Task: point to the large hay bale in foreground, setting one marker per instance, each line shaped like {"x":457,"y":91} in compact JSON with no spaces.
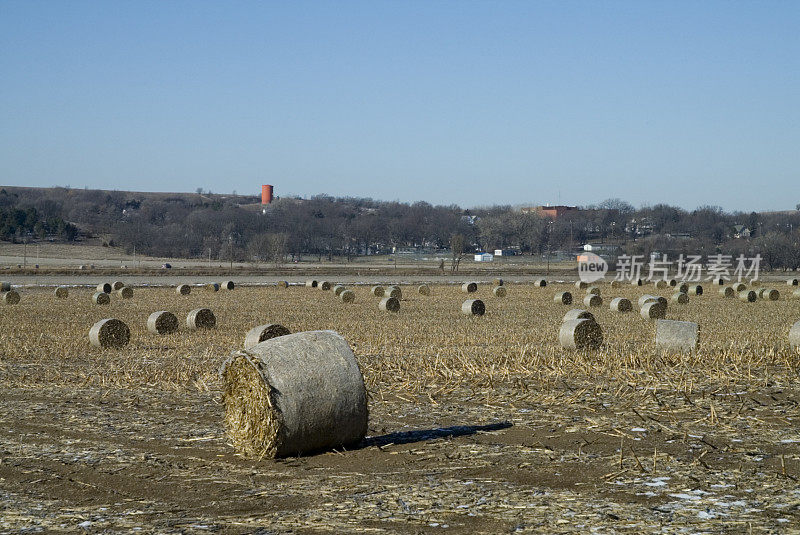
{"x":676,"y":336}
{"x":62,"y":292}
{"x":294,"y":394}
{"x":580,"y":334}
{"x":212,"y":287}
{"x":377,"y":291}
{"x":201,"y":318}
{"x":680,"y":298}
{"x":620,"y":304}
{"x":695,"y":290}
{"x":116,"y":285}
{"x":183,"y":289}
{"x":565,"y":298}
{"x":577,"y":314}
{"x":653,"y":310}
{"x":104,"y":287}
{"x":5,"y":286}
{"x":499,"y":291}
{"x":324,"y":285}
{"x":228,"y":285}
{"x":581,"y":285}
{"x":727,"y":291}
{"x":126,"y":292}
{"x":393,"y":291}
{"x":474,"y":307}
{"x":109,"y":332}
{"x":11,"y":297}
{"x":347,"y":296}
{"x":593,"y":300}
{"x":469,"y":287}
{"x":540,"y":283}
{"x":794,"y":336}
{"x":424,"y":289}
{"x":389,"y":304}
{"x":162,"y":322}
{"x":748,"y":296}
{"x":101,"y":298}
{"x":259,"y":334}
{"x":338,"y":289}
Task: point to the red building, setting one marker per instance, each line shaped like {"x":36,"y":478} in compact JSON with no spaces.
{"x":553,"y":212}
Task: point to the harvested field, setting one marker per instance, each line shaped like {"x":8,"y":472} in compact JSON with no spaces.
{"x":477,"y":425}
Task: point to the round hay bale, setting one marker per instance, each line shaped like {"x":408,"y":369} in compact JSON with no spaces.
{"x":646,"y":298}
{"x":474,"y":307}
{"x":719,"y":281}
{"x":62,"y":292}
{"x":423,"y":289}
{"x":183,"y":289}
{"x":593,"y":300}
{"x":565,"y":298}
{"x":469,"y":287}
{"x":672,"y":282}
{"x":794,"y":336}
{"x":11,"y":297}
{"x":499,"y":291}
{"x":389,"y":304}
{"x":581,"y":285}
{"x":770,"y":294}
{"x":162,"y":322}
{"x":101,"y":298}
{"x":212,"y":287}
{"x":541,"y":283}
{"x":620,"y":304}
{"x":324,"y":285}
{"x":228,"y":285}
{"x":126,"y":292}
{"x":377,"y":291}
{"x":116,"y":285}
{"x":259,"y":334}
{"x":5,"y":286}
{"x":497,"y":282}
{"x":311,"y":284}
{"x":294,"y":394}
{"x":637,"y":282}
{"x":660,"y":284}
{"x":109,"y":332}
{"x":676,"y":336}
{"x":393,"y":291}
{"x":338,"y":289}
{"x":683,"y":287}
{"x":347,"y":296}
{"x":680,"y":298}
{"x":577,"y":314}
{"x":580,"y":334}
{"x":739,"y":287}
{"x":201,"y":318}
{"x":748,"y":296}
{"x":593,"y":290}
{"x":104,"y":287}
{"x":653,"y":310}
{"x":726,"y":291}
{"x":614,"y":284}
{"x":696,"y":290}
{"x":283,"y":284}
{"x":793,"y":282}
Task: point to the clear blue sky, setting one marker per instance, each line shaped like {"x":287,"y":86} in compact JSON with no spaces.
{"x":465,"y":102}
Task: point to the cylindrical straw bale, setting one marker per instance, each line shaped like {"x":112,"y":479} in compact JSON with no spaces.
{"x":311,"y":284}
{"x":101,"y":298}
{"x":377,"y":291}
{"x":620,"y":304}
{"x":696,"y":290}
{"x":338,"y":289}
{"x":62,"y":292}
{"x":126,"y":292}
{"x":593,"y":300}
{"x":294,"y":394}
{"x":794,"y":336}
{"x":499,"y":291}
{"x":748,"y":296}
{"x":593,"y":290}
{"x":473,"y":307}
{"x":577,"y":314}
{"x":162,"y":322}
{"x":770,"y":294}
{"x":201,"y":318}
{"x":347,"y":296}
{"x":683,"y":287}
{"x":109,"y":332}
{"x":581,"y":285}
{"x":212,"y":287}
{"x":393,"y":291}
{"x":637,"y":282}
{"x":424,"y":289}
{"x":646,"y":299}
{"x":727,"y":291}
{"x":183,"y":289}
{"x":228,"y":285}
{"x":540,"y":283}
{"x":580,"y":334}
{"x":5,"y":286}
{"x":256,"y":335}
{"x":11,"y":297}
{"x":283,"y":284}
{"x":469,"y":287}
{"x":324,"y":285}
{"x":389,"y":304}
{"x":104,"y":287}
{"x":672,"y":282}
{"x":680,"y":298}
{"x":660,"y":284}
{"x":653,"y":310}
{"x":792,"y":282}
{"x":676,"y":336}
{"x":614,"y":283}
{"x":719,"y":281}
{"x":739,"y":287}
{"x":497,"y":282}
{"x":565,"y":298}
{"x":116,"y":285}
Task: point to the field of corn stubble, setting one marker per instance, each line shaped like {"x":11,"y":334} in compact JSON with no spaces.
{"x":477,"y":424}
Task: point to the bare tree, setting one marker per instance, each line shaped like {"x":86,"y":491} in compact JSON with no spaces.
{"x":457,"y":248}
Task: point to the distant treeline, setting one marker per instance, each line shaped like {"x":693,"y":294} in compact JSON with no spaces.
{"x":235,"y":227}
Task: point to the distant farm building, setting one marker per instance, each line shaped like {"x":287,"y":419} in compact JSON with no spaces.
{"x":552,"y":212}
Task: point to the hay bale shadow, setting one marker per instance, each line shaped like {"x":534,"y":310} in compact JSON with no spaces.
{"x":423,"y":435}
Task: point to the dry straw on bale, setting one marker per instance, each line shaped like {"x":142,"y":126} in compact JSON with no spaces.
{"x":338,"y":289}
{"x":683,"y":287}
{"x":11,"y":297}
{"x":377,"y":291}
{"x":541,"y":283}
{"x":577,"y":314}
{"x":212,"y":287}
{"x":259,"y":334}
{"x":660,"y":284}
{"x":676,"y":336}
{"x":109,"y":332}
{"x":183,"y":289}
{"x":727,"y":291}
{"x":324,"y":285}
{"x":393,"y":291}
{"x":162,"y":322}
{"x":593,"y":290}
{"x":473,"y":307}
{"x":792,"y":282}
{"x":104,"y":287}
{"x":228,"y":285}
{"x":101,"y":298}
{"x":769,"y":294}
{"x":389,"y":304}
{"x":748,"y":296}
{"x":469,"y":287}
{"x":294,"y":394}
{"x":497,"y":282}
{"x":593,"y":300}
{"x":739,"y":287}
{"x":580,"y":334}
{"x":565,"y":298}
{"x":126,"y":292}
{"x":581,"y":285}
{"x":5,"y":286}
{"x":347,"y":296}
{"x":794,"y":336}
{"x":62,"y":292}
{"x":283,"y":284}
{"x":116,"y":285}
{"x":201,"y":318}
{"x":620,"y":304}
{"x":424,"y":289}
{"x":499,"y":291}
{"x":653,"y":310}
{"x":680,"y":298}
{"x":696,"y":290}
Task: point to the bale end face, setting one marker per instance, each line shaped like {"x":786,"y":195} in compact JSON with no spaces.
{"x":474,"y":307}
{"x":228,"y":285}
{"x":499,"y":291}
{"x":389,"y":304}
{"x":727,"y":291}
{"x":793,"y":282}
{"x":683,"y":288}
{"x":593,"y":300}
{"x":347,"y":296}
{"x":183,"y":289}
{"x":104,"y":287}
{"x":541,"y":283}
{"x":577,"y":314}
{"x":696,"y":290}
{"x":565,"y":298}
{"x":5,"y":286}
{"x":201,"y":318}
{"x":10,"y":297}
{"x":212,"y":287}
{"x":748,"y":296}
{"x":580,"y":334}
{"x":660,"y":284}
{"x":262,"y":333}
{"x":337,"y":289}
{"x":424,"y":289}
{"x":109,"y":333}
{"x":324,"y":285}
{"x":162,"y":322}
{"x":62,"y":292}
{"x":620,"y":304}
{"x":653,"y":310}
{"x":581,"y":285}
{"x":593,"y":290}
{"x":393,"y":291}
{"x":680,"y":298}
{"x":469,"y":287}
{"x":101,"y":298}
{"x":116,"y":285}
{"x":377,"y":291}
{"x":126,"y":292}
